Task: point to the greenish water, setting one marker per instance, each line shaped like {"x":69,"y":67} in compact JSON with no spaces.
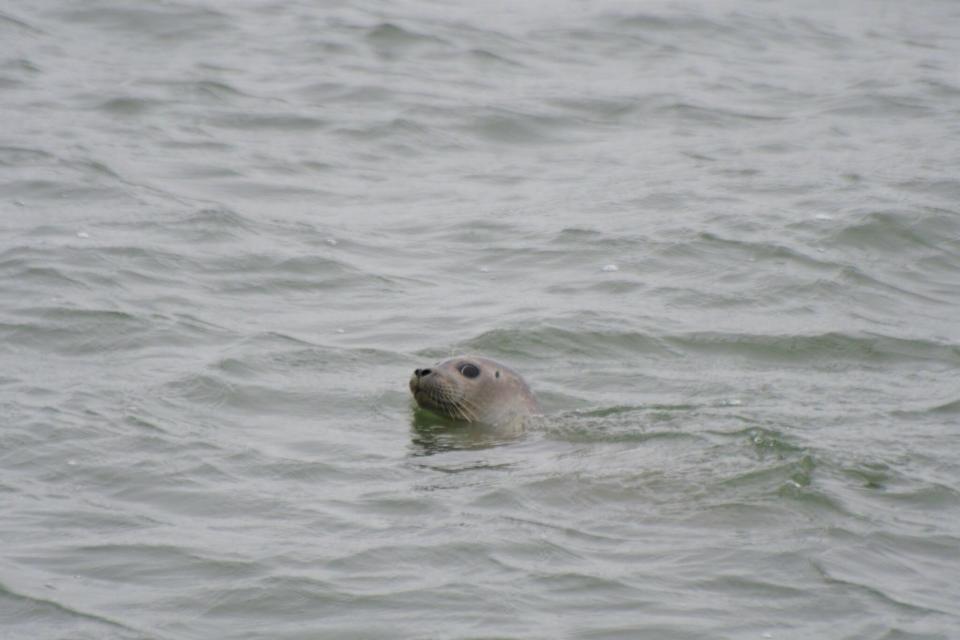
{"x":720,"y":240}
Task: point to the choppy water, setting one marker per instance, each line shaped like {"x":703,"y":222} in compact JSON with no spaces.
{"x":720,"y":239}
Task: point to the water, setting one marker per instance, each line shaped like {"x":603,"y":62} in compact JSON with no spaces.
{"x":721,"y":240}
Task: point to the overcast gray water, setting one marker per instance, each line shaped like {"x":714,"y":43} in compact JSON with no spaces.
{"x":721,"y":240}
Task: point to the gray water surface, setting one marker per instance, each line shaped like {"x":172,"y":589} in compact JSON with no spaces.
{"x":721,"y":240}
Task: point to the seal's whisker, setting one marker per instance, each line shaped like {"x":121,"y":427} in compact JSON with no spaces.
{"x":463,"y":409}
{"x":466,"y":413}
{"x":461,"y":413}
{"x":470,"y":409}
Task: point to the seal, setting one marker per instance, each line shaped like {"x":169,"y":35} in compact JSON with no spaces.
{"x":473,"y":389}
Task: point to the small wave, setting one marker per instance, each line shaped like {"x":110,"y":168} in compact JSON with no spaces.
{"x":336,"y":92}
{"x":950,"y":408}
{"x":209,"y":91}
{"x":244,"y":120}
{"x":413,"y":134}
{"x":879,"y":105}
{"x":601,"y":432}
{"x":268,"y":274}
{"x":217,"y":224}
{"x":895,"y":232}
{"x":159,"y":22}
{"x":947,"y":408}
{"x":658,"y":23}
{"x":212,"y":218}
{"x":390,"y":38}
{"x":714,"y":114}
{"x":20,"y":156}
{"x":7,"y":19}
{"x":545,"y":340}
{"x":55,"y":612}
{"x":127,"y":105}
{"x":511,"y":127}
{"x":485,"y":56}
{"x":826,"y":347}
{"x":42,"y":276}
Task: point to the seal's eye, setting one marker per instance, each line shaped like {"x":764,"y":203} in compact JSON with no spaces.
{"x":469,"y":371}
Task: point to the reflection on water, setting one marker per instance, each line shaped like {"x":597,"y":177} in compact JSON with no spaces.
{"x":432,"y":434}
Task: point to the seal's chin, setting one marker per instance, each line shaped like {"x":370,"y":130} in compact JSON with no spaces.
{"x":423,"y":400}
{"x":419,"y":394}
{"x":421,"y":397}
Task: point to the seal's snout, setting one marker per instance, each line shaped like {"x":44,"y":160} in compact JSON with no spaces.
{"x":422,"y":373}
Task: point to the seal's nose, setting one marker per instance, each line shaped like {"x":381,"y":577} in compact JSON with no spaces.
{"x":422,"y":373}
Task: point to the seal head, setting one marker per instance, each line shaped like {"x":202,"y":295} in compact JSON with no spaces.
{"x":473,"y":389}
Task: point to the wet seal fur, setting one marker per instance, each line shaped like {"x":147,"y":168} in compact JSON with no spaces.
{"x":473,"y":389}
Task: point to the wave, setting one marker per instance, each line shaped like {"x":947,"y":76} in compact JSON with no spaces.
{"x":823,"y":347}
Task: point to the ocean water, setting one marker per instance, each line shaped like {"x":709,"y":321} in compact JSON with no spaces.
{"x":721,"y":240}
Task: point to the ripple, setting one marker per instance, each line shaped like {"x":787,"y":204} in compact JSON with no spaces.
{"x":172,"y":21}
{"x":38,"y":612}
{"x":10,"y":21}
{"x":786,"y":349}
{"x":244,"y":120}
{"x":260,"y":274}
{"x":898,"y":231}
{"x":208,"y":91}
{"x":128,"y":105}
{"x":530,"y":343}
{"x":210,"y":224}
{"x":947,"y":408}
{"x":20,"y":156}
{"x":828,"y":347}
{"x":515,"y":128}
{"x":392,"y":37}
